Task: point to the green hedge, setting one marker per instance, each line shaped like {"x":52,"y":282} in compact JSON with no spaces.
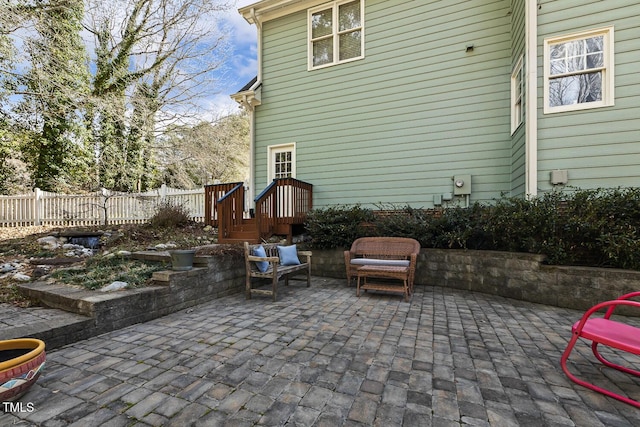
{"x":584,"y":227}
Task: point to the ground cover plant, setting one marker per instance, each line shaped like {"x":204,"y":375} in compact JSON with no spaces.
{"x":598,"y":227}
{"x":98,"y":272}
{"x":168,"y":227}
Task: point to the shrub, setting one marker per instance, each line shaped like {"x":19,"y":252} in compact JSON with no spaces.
{"x":169,"y":215}
{"x":462,"y":228}
{"x":585,"y":227}
{"x":338,"y":226}
{"x":407,"y":222}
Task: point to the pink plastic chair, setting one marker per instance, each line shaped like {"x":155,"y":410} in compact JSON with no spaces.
{"x":610,"y":333}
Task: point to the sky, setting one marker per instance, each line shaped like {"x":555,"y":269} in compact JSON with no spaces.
{"x":238,"y":70}
{"x":241,"y":66}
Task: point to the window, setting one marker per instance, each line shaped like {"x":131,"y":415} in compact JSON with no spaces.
{"x":282,"y":164}
{"x":282,"y":161}
{"x":579,"y":71}
{"x":517,"y":96}
{"x":336,"y":33}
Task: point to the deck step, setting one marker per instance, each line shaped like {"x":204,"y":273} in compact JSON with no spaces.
{"x":229,"y":240}
{"x":243,"y":234}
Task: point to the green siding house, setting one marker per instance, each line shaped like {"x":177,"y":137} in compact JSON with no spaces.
{"x":441,"y":103}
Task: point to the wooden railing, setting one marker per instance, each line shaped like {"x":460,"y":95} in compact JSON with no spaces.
{"x":230,"y":210}
{"x":212,"y":194}
{"x":284,"y":201}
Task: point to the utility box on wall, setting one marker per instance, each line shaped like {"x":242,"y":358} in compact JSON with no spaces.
{"x":559,"y":177}
{"x":462,"y":185}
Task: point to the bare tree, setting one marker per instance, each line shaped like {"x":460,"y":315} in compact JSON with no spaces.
{"x":164,"y":52}
{"x":207,"y":152}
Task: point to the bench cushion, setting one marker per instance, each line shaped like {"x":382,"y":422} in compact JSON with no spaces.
{"x":375,"y":261}
{"x":260,"y":252}
{"x":288,"y":255}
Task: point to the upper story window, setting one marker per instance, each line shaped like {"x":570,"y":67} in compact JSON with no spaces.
{"x":579,"y":71}
{"x":336,"y":33}
{"x":517,"y":95}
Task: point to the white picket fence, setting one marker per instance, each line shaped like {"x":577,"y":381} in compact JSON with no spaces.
{"x":102,"y":207}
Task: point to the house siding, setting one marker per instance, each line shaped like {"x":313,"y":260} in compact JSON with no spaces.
{"x":518,"y":139}
{"x":396,"y":126}
{"x":599,"y":147}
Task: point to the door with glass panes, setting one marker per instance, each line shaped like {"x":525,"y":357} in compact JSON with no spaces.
{"x":282,"y":164}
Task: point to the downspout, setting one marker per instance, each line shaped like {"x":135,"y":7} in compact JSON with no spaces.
{"x":252,"y":139}
{"x":531,"y":125}
{"x":252,"y":111}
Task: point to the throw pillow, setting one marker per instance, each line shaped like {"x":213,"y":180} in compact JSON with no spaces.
{"x":288,"y":255}
{"x":262,"y":265}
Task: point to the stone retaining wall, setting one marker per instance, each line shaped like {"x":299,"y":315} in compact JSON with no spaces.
{"x":214,"y":277}
{"x":172,"y":291}
{"x":512,"y":275}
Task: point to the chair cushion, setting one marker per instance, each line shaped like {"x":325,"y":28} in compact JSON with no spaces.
{"x":288,"y":255}
{"x":375,"y":261}
{"x":262,"y":265}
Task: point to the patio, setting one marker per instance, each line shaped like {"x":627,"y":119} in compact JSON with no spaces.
{"x":321,"y":356}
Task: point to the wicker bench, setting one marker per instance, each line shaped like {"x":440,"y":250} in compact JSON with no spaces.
{"x":274,"y":270}
{"x":383,"y":257}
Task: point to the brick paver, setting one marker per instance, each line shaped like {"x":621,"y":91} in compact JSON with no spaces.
{"x":320,"y":356}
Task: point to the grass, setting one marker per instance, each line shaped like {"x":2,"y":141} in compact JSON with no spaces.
{"x":101,"y":271}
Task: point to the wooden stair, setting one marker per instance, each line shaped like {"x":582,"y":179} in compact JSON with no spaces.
{"x":246,"y":232}
{"x":282,"y":205}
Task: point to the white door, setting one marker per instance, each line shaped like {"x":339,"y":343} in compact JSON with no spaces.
{"x":282,"y":164}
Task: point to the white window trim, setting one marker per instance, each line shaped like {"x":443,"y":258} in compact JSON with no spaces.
{"x":517,"y":117}
{"x":607,"y":73}
{"x":336,"y":40}
{"x":271,"y":150}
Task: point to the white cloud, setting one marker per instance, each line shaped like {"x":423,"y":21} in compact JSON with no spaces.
{"x":243,"y":3}
{"x":243,"y":31}
{"x":242,"y":63}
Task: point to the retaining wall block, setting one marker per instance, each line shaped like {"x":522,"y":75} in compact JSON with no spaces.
{"x":513,"y":275}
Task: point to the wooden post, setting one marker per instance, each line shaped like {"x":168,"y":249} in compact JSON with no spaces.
{"x":37,"y":207}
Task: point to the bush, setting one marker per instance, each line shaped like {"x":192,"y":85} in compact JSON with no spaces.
{"x":582,"y":227}
{"x":462,"y":228}
{"x":169,"y":215}
{"x":407,"y":222}
{"x":338,"y":226}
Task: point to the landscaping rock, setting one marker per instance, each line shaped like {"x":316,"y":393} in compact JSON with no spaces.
{"x":82,"y":252}
{"x":115,"y":286}
{"x":20,"y":277}
{"x":49,"y":242}
{"x":164,"y":246}
{"x":7,"y":267}
{"x":54,"y":261}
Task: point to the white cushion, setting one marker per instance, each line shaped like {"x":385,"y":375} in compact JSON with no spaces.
{"x":374,"y":261}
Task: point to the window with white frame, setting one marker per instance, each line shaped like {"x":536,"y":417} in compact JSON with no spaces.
{"x":282,"y":161}
{"x":336,"y":33}
{"x":579,"y":71}
{"x":517,"y":95}
{"x":283,"y":165}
